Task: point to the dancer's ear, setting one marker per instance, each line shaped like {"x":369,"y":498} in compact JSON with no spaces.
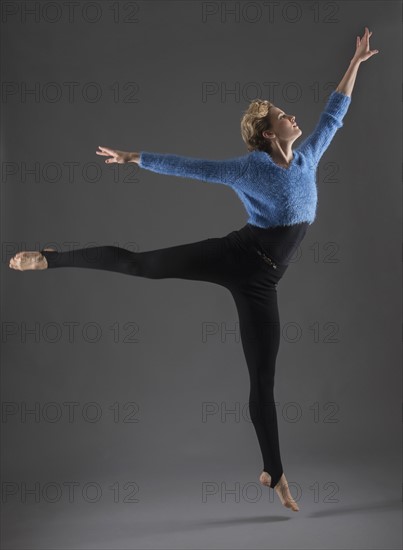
{"x":267,"y":134}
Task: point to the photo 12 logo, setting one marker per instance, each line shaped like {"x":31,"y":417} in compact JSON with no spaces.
{"x":71,"y":12}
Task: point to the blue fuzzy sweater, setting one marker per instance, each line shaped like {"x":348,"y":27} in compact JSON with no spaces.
{"x":272,"y":195}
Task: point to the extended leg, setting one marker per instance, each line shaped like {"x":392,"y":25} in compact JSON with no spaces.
{"x":210,"y":260}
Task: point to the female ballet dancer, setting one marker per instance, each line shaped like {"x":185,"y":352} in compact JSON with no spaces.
{"x":278,"y":188}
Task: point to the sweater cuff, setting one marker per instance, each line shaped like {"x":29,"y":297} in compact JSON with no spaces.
{"x":146,"y":159}
{"x":338,"y":104}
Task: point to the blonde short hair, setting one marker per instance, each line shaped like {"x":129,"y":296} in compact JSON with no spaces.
{"x":255,"y":120}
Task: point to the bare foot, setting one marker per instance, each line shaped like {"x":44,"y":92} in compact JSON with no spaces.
{"x":23,"y":261}
{"x":281,"y":489}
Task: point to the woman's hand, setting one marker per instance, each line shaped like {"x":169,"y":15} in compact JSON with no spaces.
{"x":121,"y":157}
{"x":362,"y":52}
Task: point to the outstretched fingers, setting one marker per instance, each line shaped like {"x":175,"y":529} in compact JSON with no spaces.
{"x":363,"y":51}
{"x":106,"y":152}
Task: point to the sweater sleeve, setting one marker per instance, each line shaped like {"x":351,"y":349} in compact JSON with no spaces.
{"x":226,"y":171}
{"x":330,"y":121}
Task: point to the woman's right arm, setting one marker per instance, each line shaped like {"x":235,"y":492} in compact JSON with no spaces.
{"x":330,"y":121}
{"x":338,"y":103}
{"x":217,"y":171}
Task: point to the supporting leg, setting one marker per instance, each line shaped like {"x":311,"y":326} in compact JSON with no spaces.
{"x":259,"y":324}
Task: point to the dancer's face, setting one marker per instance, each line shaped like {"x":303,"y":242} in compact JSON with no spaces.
{"x":283,"y":125}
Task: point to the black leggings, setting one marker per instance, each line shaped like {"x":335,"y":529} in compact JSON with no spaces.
{"x":235,"y":263}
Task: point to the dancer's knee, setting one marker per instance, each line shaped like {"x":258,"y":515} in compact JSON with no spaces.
{"x":147,"y":265}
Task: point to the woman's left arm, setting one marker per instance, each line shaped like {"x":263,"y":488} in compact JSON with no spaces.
{"x":362,"y":53}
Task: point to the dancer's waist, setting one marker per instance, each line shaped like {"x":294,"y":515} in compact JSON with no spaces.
{"x":278,"y":243}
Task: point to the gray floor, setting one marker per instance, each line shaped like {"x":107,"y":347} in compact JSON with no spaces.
{"x":364,"y":511}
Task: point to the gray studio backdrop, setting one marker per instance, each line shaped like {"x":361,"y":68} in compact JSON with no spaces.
{"x":124,"y":400}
